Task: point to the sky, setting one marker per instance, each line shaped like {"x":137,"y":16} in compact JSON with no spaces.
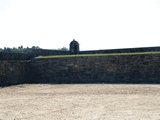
{"x":95,"y":24}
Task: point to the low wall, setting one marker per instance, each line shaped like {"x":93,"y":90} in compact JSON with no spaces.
{"x":15,"y":72}
{"x":104,"y":69}
{"x":125,"y":50}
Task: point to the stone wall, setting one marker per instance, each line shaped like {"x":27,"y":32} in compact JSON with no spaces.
{"x":15,"y":56}
{"x":104,"y":69}
{"x":34,"y":53}
{"x":125,"y":50}
{"x":15,"y":72}
{"x":45,"y":52}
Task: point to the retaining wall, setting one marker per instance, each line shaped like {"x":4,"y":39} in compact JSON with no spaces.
{"x":15,"y":72}
{"x":104,"y":69}
{"x":15,"y":56}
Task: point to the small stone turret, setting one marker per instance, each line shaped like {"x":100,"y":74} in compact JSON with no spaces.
{"x":74,"y":47}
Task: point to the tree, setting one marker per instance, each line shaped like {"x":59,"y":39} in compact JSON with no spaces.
{"x":20,"y":49}
{"x":1,"y":49}
{"x":63,"y":49}
{"x":35,"y":47}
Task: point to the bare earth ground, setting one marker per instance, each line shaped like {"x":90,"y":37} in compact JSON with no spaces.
{"x":81,"y":102}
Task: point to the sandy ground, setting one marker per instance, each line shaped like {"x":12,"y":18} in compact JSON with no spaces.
{"x":81,"y":102}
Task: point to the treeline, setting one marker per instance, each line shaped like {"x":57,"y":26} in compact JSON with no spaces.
{"x":63,"y":49}
{"x":20,"y":49}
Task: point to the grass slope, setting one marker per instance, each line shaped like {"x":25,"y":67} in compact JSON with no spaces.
{"x":94,"y":55}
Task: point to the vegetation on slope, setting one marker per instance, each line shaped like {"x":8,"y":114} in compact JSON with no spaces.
{"x":96,"y":55}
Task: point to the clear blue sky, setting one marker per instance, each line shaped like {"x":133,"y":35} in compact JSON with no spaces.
{"x":95,"y":24}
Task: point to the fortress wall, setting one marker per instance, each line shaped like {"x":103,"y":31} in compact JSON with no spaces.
{"x":15,"y":72}
{"x":125,"y":50}
{"x":104,"y":69}
{"x":34,"y":53}
{"x":15,"y":56}
{"x":44,"y":52}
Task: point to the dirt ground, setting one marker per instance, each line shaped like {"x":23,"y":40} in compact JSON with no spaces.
{"x":80,"y":101}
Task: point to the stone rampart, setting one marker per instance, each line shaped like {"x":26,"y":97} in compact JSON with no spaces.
{"x":98,"y":69}
{"x":104,"y":69}
{"x":15,"y":56}
{"x":45,"y":52}
{"x":15,"y":72}
{"x":125,"y":50}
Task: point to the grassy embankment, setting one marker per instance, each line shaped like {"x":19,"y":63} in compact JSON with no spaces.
{"x":96,"y":55}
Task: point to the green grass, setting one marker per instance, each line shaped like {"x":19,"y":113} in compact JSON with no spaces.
{"x":96,"y":55}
